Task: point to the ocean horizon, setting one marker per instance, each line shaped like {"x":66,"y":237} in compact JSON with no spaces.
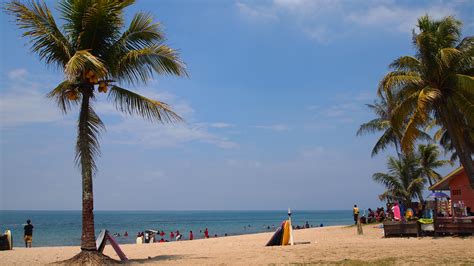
{"x":63,"y":228}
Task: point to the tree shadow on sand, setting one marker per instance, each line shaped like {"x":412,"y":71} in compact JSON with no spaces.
{"x":158,"y":258}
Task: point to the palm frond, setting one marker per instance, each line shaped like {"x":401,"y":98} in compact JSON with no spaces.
{"x":397,"y":79}
{"x":387,"y":138}
{"x":134,"y":104}
{"x":412,"y":132}
{"x":372,"y":126}
{"x":406,"y":63}
{"x":81,"y":62}
{"x":62,"y":95}
{"x":141,"y":33}
{"x":93,"y":24}
{"x":87,"y":145}
{"x":465,"y":84}
{"x":465,"y":106}
{"x":39,"y":25}
{"x":139,"y":65}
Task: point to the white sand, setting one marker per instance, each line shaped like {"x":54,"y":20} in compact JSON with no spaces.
{"x":328,"y":244}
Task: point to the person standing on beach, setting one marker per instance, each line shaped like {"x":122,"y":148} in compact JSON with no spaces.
{"x":206,"y":233}
{"x":171,"y":235}
{"x":191,"y":236}
{"x":28,"y":235}
{"x":355,"y":212}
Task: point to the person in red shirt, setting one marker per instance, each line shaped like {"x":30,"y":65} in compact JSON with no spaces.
{"x":172,"y":235}
{"x":191,"y":236}
{"x":206,"y":233}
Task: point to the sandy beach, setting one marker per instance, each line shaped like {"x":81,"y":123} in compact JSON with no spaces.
{"x":336,"y":244}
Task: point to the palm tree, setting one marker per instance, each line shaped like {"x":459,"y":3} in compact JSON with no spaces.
{"x":96,"y":54}
{"x":428,"y":161}
{"x":403,"y":181}
{"x":436,"y":83}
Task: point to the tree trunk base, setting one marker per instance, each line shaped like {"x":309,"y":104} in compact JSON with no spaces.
{"x":86,"y":257}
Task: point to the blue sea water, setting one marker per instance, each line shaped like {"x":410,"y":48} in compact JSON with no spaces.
{"x":63,"y":228}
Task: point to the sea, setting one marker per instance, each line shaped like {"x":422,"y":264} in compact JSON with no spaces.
{"x":63,"y":228}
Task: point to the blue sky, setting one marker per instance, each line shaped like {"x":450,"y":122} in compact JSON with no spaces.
{"x":275,"y":96}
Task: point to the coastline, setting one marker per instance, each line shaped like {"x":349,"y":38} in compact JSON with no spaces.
{"x":332,"y":244}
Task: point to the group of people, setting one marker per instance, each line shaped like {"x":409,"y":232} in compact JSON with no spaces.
{"x":394,"y":212}
{"x":147,"y":237}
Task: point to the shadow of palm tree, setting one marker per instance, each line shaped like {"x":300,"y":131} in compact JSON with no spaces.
{"x":156,"y":259}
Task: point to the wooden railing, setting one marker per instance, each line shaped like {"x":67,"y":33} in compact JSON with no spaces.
{"x":454,"y":225}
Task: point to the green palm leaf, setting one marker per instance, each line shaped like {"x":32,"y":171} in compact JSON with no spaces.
{"x":134,"y":104}
{"x":45,"y":37}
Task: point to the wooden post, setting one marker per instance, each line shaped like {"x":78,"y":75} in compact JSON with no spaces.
{"x":291,"y":227}
{"x":359,"y":227}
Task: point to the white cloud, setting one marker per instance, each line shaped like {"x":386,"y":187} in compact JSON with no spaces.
{"x":397,"y":18}
{"x":23,"y":101}
{"x":19,"y":73}
{"x":345,"y":108}
{"x":220,"y":125}
{"x":256,"y":12}
{"x":313,"y":152}
{"x":136,"y":131}
{"x":327,"y":20}
{"x":274,"y":127}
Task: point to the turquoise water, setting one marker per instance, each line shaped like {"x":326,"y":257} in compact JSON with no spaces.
{"x":63,"y":228}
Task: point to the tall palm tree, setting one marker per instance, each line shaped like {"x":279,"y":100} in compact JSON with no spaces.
{"x":403,"y":181}
{"x":428,"y":158}
{"x":96,"y":54}
{"x":436,"y":83}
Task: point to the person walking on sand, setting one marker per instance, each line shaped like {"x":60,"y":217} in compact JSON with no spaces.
{"x":28,"y":235}
{"x":355,"y":212}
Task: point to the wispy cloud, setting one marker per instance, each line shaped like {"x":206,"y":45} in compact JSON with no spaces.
{"x":327,"y":20}
{"x":397,"y":18}
{"x":274,"y":127}
{"x":221,"y":125}
{"x":257,"y":13}
{"x":17,"y":73}
{"x":138,"y":132}
{"x":23,"y":101}
{"x":344,"y":108}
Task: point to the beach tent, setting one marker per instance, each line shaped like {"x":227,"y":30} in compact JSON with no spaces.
{"x":101,"y":241}
{"x":283,"y":235}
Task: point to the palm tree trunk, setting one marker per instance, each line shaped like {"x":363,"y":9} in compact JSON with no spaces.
{"x":462,"y":149}
{"x":88,"y":231}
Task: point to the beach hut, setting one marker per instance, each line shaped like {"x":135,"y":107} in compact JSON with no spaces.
{"x":462,"y":197}
{"x":458,"y":185}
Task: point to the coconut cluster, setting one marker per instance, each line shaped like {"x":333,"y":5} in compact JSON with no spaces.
{"x":91,"y":77}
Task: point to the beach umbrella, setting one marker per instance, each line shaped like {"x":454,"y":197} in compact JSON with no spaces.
{"x":437,"y":195}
